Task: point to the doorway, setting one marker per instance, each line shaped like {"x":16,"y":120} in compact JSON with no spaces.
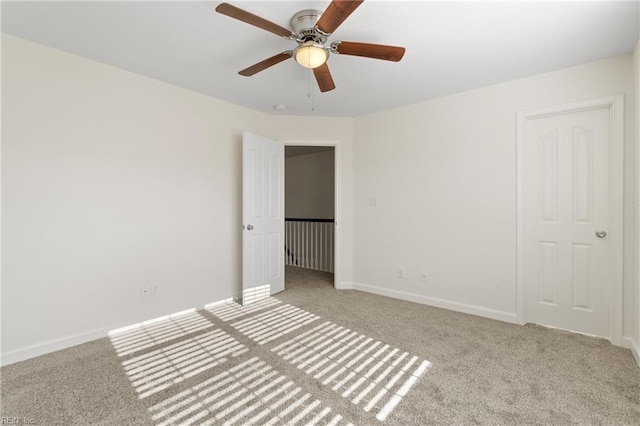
{"x":570,"y":217}
{"x":263,"y":217}
{"x":311,"y":232}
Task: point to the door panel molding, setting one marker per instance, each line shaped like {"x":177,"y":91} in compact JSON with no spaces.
{"x":615,"y":105}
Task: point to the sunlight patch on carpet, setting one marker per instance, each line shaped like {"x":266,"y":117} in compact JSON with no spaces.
{"x":276,"y":322}
{"x":232,"y":310}
{"x":145,"y":335}
{"x":249,"y":393}
{"x":367,"y":372}
{"x":192,"y":346}
{"x":172,"y":363}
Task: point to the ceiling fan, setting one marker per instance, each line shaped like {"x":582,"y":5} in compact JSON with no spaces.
{"x":311,"y":28}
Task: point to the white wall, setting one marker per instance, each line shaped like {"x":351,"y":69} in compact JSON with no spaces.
{"x":309,"y":181}
{"x":113,"y":181}
{"x":444,"y":175}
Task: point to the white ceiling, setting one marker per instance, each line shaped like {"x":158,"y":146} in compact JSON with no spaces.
{"x":451,"y":46}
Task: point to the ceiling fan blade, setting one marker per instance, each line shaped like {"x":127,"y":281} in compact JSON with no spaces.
{"x":323,"y":77}
{"x":250,"y":18}
{"x":263,"y":65}
{"x":335,"y":14}
{"x":368,"y":50}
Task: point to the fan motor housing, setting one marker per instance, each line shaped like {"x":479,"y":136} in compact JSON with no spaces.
{"x":303,"y":25}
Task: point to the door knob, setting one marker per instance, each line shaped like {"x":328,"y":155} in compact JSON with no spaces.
{"x":601,"y":234}
{"x":250,"y":227}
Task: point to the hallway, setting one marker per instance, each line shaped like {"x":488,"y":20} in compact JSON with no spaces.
{"x":296,"y":278}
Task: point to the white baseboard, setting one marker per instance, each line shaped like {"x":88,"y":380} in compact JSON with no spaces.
{"x":634,"y":347}
{"x":54,"y":345}
{"x":345,"y":285}
{"x":51,"y":346}
{"x":432,"y":301}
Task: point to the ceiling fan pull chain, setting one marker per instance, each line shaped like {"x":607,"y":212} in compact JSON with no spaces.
{"x":310,"y":92}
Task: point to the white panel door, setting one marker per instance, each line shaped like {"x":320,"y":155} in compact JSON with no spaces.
{"x":262,"y":217}
{"x":567,"y":254}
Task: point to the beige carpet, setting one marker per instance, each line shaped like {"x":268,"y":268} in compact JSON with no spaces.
{"x":314,"y":355}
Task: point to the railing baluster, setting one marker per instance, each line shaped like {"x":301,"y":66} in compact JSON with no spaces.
{"x":323,"y":237}
{"x":331,"y":258}
{"x":299,"y":253}
{"x":320,"y":248}
{"x":305,"y":242}
{"x":329,"y":250}
{"x":315,"y":245}
{"x":309,"y":243}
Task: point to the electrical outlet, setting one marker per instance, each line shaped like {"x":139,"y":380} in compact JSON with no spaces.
{"x":400,"y":272}
{"x":424,"y":276}
{"x":373,"y":201}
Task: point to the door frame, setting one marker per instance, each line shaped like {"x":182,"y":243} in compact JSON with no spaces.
{"x":615,"y":104}
{"x":337,"y":197}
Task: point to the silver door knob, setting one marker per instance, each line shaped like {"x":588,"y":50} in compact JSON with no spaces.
{"x":601,"y":234}
{"x":249,"y":227}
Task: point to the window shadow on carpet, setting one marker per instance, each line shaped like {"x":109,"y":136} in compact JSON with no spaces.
{"x":213,"y":366}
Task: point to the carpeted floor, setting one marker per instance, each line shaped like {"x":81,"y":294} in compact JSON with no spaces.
{"x":314,"y":355}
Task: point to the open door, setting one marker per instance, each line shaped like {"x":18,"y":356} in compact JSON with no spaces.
{"x":262,"y":217}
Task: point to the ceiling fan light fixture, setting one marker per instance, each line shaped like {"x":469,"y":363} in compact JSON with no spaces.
{"x":311,"y":29}
{"x":311,"y":54}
